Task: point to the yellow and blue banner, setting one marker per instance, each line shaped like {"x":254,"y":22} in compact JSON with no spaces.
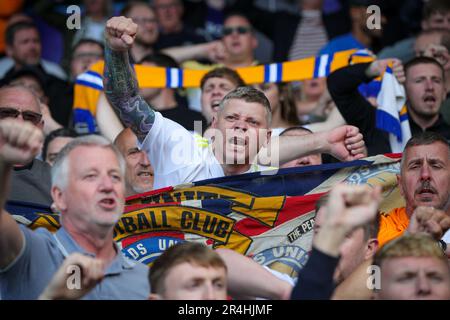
{"x":89,"y":85}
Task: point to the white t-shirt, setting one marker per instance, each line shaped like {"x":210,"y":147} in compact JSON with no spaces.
{"x":177,"y":157}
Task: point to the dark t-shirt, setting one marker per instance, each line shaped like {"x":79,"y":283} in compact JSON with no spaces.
{"x":187,"y":36}
{"x":357,"y":111}
{"x":32,"y":184}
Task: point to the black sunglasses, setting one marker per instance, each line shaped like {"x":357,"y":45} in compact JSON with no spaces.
{"x":31,"y":116}
{"x":240,"y":30}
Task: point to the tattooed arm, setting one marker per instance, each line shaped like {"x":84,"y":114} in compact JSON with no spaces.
{"x":121,"y":87}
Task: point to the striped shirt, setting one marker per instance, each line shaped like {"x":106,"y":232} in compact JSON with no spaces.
{"x":310,"y":36}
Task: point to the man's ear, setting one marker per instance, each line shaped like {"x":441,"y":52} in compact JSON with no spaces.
{"x":58,"y":199}
{"x":214,"y":121}
{"x":8,"y":51}
{"x":154,"y":296}
{"x":269,"y":136}
{"x":424,"y":25}
{"x":372,"y":247}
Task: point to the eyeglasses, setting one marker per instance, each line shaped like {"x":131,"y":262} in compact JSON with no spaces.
{"x":31,"y":116}
{"x":240,"y":30}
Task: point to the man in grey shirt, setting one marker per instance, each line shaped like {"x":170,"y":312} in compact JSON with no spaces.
{"x":88,"y":190}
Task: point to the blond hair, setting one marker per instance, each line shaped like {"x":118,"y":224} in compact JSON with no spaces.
{"x":410,"y":245}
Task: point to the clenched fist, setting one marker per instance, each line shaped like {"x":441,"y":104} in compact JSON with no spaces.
{"x":120,"y":33}
{"x":433,"y":221}
{"x":20,"y":141}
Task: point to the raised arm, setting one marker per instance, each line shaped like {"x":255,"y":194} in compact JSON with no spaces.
{"x":348,"y":208}
{"x":343,"y":87}
{"x":248,"y":279}
{"x":108,"y":122}
{"x":344,"y":143}
{"x":121,"y":87}
{"x":19,"y":143}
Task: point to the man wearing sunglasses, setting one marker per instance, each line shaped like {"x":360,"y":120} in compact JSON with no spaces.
{"x":31,"y":182}
{"x":239,"y":41}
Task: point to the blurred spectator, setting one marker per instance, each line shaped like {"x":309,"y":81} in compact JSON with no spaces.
{"x":167,"y":101}
{"x":139,"y":171}
{"x":427,"y":38}
{"x":312,"y":100}
{"x":413,"y":267}
{"x":173,"y":32}
{"x":24,"y":47}
{"x":206,"y":17}
{"x":239,"y":42}
{"x":215,"y":85}
{"x":93,"y":18}
{"x":7,"y":9}
{"x":96,"y":12}
{"x":435,"y":15}
{"x":309,"y":160}
{"x":30,"y":181}
{"x":144,"y":16}
{"x":440,"y":51}
{"x":424,"y":88}
{"x":84,"y":53}
{"x":185,"y":263}
{"x":236,"y":49}
{"x":282,"y":103}
{"x":298,"y":35}
{"x":54,"y":142}
{"x":32,"y":78}
{"x":361,"y":36}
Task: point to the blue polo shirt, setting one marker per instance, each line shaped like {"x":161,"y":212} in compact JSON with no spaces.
{"x":43,"y":253}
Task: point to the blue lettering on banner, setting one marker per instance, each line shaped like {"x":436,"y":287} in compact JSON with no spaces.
{"x":292,"y":257}
{"x":147,"y":250}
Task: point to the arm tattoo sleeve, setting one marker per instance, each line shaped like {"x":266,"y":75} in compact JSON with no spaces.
{"x":121,"y":89}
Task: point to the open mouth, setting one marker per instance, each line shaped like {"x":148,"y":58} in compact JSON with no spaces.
{"x":426,"y":191}
{"x":426,"y":194}
{"x":238,"y":141}
{"x":236,"y":44}
{"x":313,"y":84}
{"x":215,"y":103}
{"x":108,"y":203}
{"x":144,"y":174}
{"x":429,"y":99}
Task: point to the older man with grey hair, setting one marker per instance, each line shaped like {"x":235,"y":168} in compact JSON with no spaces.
{"x":88,"y":190}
